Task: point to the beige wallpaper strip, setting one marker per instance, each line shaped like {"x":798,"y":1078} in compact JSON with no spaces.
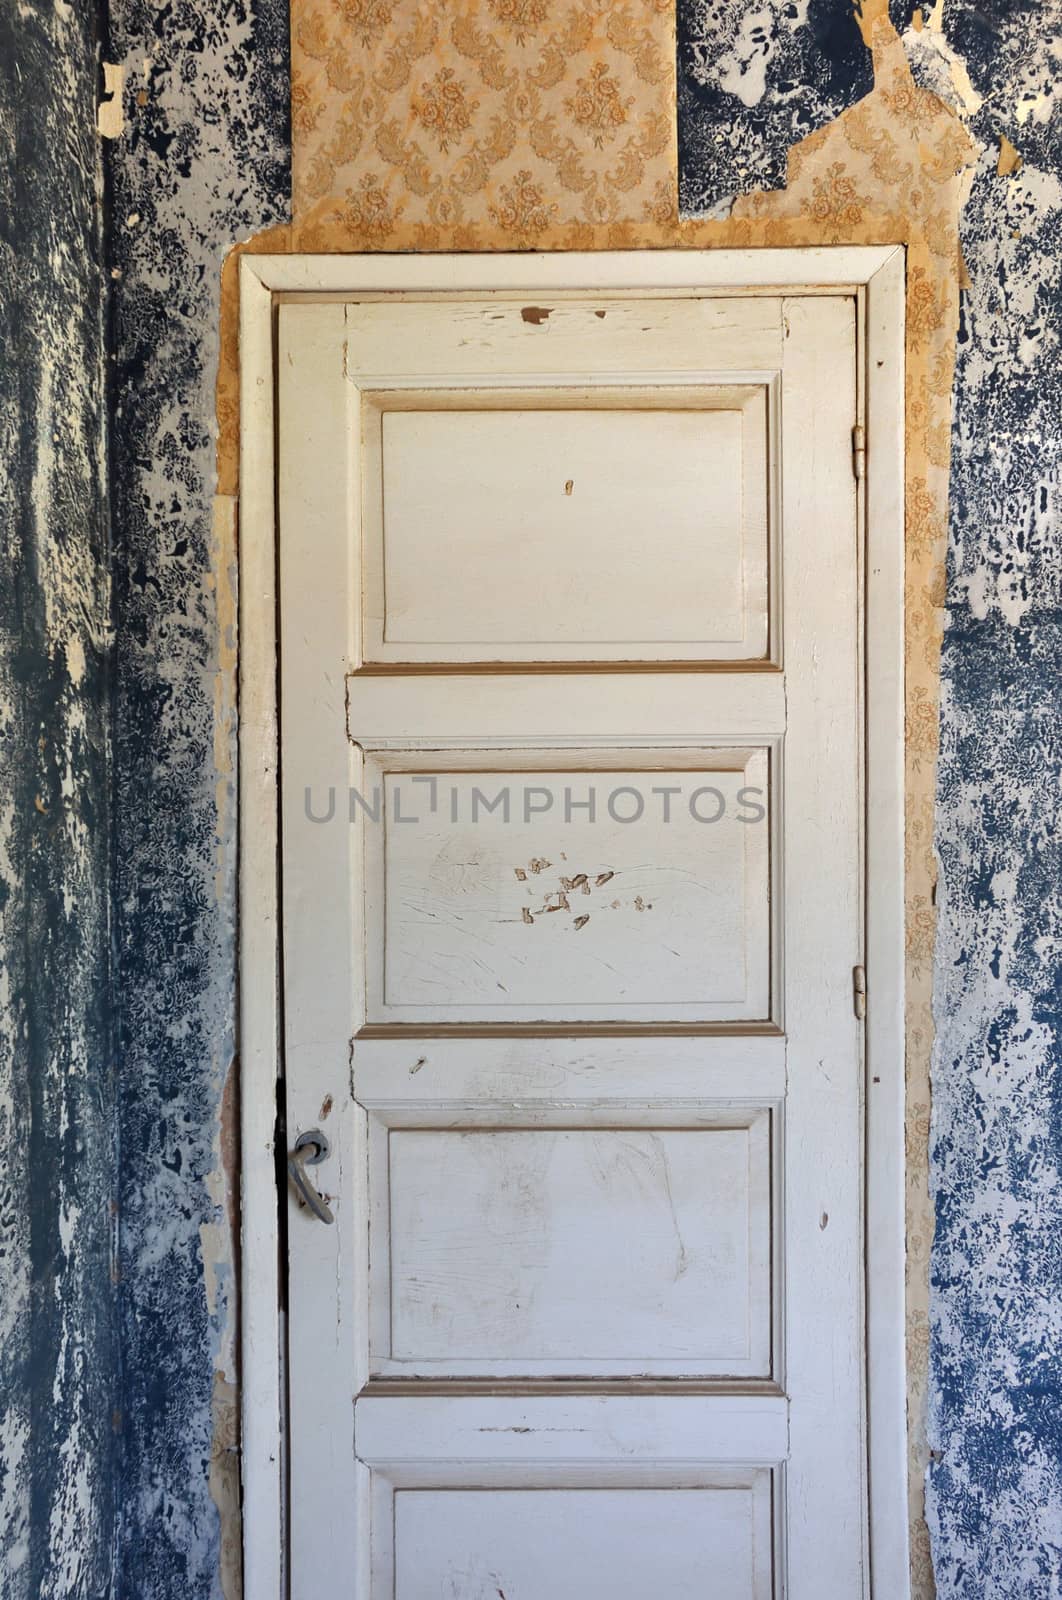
{"x":517,"y":124}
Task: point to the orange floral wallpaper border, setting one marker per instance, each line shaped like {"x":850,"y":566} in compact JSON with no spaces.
{"x":519,"y":124}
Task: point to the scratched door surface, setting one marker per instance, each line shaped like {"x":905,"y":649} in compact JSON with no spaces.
{"x":571,"y":904}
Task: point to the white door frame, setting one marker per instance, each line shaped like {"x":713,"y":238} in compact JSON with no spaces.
{"x":876,"y":276}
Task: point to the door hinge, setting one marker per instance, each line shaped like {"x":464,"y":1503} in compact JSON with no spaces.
{"x":859,"y":991}
{"x":859,"y":451}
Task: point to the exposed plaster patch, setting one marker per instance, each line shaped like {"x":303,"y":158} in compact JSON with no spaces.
{"x":938,"y":67}
{"x":1009,"y":158}
{"x":75,"y":660}
{"x":224,"y":1482}
{"x":110,"y":113}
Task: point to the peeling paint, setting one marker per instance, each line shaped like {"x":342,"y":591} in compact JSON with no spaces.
{"x":936,"y":66}
{"x":753,"y":80}
{"x":58,"y":1347}
{"x":203,"y":157}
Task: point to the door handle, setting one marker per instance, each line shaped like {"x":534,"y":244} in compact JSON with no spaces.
{"x":310,"y":1150}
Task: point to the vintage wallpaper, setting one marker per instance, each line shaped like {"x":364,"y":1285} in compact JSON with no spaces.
{"x":545,"y":124}
{"x":481,"y":123}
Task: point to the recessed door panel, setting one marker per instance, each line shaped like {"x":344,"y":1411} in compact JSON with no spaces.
{"x":614,"y":1248}
{"x":513,"y":890}
{"x":551,"y":525}
{"x":623,"y":1543}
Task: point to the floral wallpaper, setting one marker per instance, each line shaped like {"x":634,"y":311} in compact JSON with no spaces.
{"x":482,"y":117}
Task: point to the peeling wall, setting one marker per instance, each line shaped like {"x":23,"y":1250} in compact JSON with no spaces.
{"x":202,"y":160}
{"x":990,"y":1327}
{"x":995,"y":1486}
{"x":58,"y":1352}
{"x":486,"y":124}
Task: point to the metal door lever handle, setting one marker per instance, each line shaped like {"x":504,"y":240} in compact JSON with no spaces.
{"x":310,"y":1149}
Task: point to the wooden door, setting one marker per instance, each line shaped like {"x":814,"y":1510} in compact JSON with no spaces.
{"x":571,"y":903}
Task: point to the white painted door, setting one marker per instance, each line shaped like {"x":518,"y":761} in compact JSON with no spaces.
{"x":571,"y":891}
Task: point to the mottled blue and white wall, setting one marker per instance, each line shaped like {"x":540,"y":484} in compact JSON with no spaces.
{"x":995,"y":1485}
{"x":118,"y":1099}
{"x":59,"y":1371}
{"x":201,"y":163}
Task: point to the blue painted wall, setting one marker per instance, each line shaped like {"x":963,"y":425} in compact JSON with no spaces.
{"x":203,"y":162}
{"x":995,"y":1487}
{"x":58,"y":1350}
{"x":116,"y":872}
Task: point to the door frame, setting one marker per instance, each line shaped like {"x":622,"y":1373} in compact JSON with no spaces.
{"x":875,"y":276}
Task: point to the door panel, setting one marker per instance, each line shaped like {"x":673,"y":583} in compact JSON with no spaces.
{"x":501,"y":889}
{"x":571,"y":1543}
{"x":571,"y":903}
{"x":564,"y":1250}
{"x":465,"y":339}
{"x":552,"y":525}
